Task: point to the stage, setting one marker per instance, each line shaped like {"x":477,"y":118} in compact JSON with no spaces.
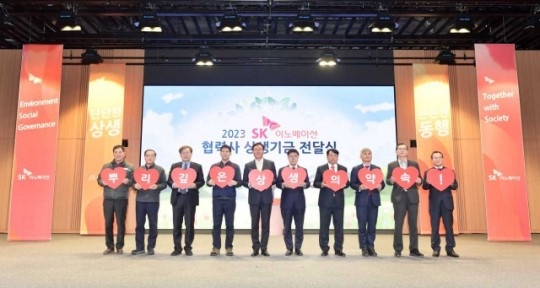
{"x":76,"y":261}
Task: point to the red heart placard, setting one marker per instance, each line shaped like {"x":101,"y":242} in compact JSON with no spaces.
{"x":441,"y":179}
{"x":222,"y":176}
{"x":145,"y":178}
{"x":405,"y":178}
{"x":261,"y":180}
{"x":335,"y":180}
{"x":370,"y":178}
{"x":113,"y":177}
{"x":183,"y":178}
{"x":293,"y":177}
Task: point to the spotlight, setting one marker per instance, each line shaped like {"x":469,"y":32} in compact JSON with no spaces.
{"x":67,"y":21}
{"x":231,"y":22}
{"x":328,"y":58}
{"x":383,"y":24}
{"x":203,"y":58}
{"x":464,"y":24}
{"x":150,"y":23}
{"x":91,"y":56}
{"x":446,"y":57}
{"x":303,"y":23}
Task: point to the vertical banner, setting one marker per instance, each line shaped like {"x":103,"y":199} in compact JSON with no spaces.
{"x":502,"y":143}
{"x":104,"y":124}
{"x":433,"y":128}
{"x":34,"y":165}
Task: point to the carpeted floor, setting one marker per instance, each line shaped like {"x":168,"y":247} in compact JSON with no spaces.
{"x":76,"y":261}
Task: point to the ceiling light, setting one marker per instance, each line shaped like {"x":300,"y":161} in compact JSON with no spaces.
{"x":464,"y":24}
{"x":150,"y":23}
{"x":383,"y":24}
{"x":446,"y":57}
{"x":303,"y":23}
{"x":67,"y":21}
{"x":231,"y":22}
{"x":91,"y":56}
{"x":328,"y":58}
{"x":204,"y":58}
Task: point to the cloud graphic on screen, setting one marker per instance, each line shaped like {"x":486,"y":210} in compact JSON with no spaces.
{"x":169,"y":97}
{"x":384,"y":106}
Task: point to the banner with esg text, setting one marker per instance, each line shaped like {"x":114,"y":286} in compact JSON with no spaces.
{"x":502,"y":143}
{"x":104,"y":124}
{"x":433,"y":117}
{"x":34,"y":165}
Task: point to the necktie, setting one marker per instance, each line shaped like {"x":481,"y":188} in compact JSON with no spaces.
{"x":184,"y":166}
{"x":333,"y":167}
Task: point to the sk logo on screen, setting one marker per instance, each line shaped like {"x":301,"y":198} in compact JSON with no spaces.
{"x":269,"y":123}
{"x":34,"y":79}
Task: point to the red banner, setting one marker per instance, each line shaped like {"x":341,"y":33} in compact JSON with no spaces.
{"x":34,"y":165}
{"x":103,"y":130}
{"x":502,"y":143}
{"x":433,"y":129}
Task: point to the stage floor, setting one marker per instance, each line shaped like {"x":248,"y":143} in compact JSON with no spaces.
{"x":77,"y":261}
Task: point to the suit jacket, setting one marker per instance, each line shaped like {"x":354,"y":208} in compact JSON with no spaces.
{"x":255,"y":196}
{"x":193,"y":194}
{"x":327,"y":197}
{"x":288,"y":195}
{"x":412,"y":193}
{"x":436,"y":196}
{"x":361,"y":198}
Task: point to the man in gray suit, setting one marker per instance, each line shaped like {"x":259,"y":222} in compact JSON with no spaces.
{"x":405,"y":201}
{"x":260,"y":202}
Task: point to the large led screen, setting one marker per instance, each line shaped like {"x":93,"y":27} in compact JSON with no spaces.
{"x":310,"y":119}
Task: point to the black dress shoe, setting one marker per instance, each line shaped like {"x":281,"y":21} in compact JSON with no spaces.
{"x":189,"y":252}
{"x":108,"y":251}
{"x":137,"y":252}
{"x":120,"y":251}
{"x":288,"y":252}
{"x":340,"y":253}
{"x":436,"y":253}
{"x":176,"y":252}
{"x":416,"y":253}
{"x":324,"y":253}
{"x":371,"y":252}
{"x":298,"y":252}
{"x":452,"y":253}
{"x":264,"y":252}
{"x":151,"y":252}
{"x":397,"y":254}
{"x":364,"y":252}
{"x":255,"y":253}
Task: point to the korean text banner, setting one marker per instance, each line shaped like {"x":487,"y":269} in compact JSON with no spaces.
{"x":502,"y":143}
{"x":34,"y":167}
{"x":104,"y":124}
{"x":433,"y":114}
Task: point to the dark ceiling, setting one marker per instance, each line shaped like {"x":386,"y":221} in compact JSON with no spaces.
{"x":343,"y":24}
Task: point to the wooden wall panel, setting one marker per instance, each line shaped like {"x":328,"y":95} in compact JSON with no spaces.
{"x":470,"y":197}
{"x":10,"y":67}
{"x":71,"y":131}
{"x":529,"y":90}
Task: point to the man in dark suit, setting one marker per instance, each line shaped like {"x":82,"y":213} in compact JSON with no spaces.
{"x":367,"y":202}
{"x":293,"y":202}
{"x":260,"y":202}
{"x":441,"y":205}
{"x":405,"y":202}
{"x":331,"y":204}
{"x":184,"y":202}
{"x":224,"y":203}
